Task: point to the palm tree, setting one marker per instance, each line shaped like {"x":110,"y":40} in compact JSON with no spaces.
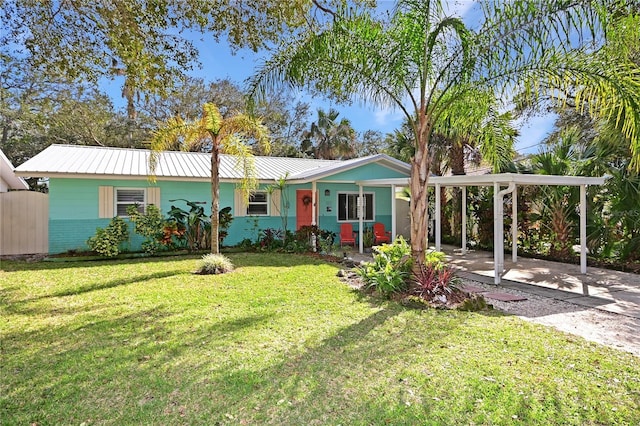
{"x":329,"y":139}
{"x":218,"y":135}
{"x":421,"y":60}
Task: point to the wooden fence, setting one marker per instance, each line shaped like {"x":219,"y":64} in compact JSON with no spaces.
{"x":24,"y":223}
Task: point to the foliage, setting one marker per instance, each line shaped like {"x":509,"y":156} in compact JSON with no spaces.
{"x":148,"y":224}
{"x":281,"y":186}
{"x":214,"y":264}
{"x":107,"y":240}
{"x":434,"y":282}
{"x":217,"y":134}
{"x":329,"y":139}
{"x":140,"y":42}
{"x":305,"y":233}
{"x":390,"y":268}
{"x":367,"y":237}
{"x":270,"y":239}
{"x":193,"y":227}
{"x":421,"y":60}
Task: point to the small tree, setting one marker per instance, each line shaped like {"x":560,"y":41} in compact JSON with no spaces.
{"x":216,"y":134}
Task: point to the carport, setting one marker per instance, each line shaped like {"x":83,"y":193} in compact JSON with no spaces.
{"x":503,"y":184}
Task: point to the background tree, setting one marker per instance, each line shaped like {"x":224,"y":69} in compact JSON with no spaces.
{"x":421,"y":60}
{"x":217,"y":134}
{"x":328,"y":138}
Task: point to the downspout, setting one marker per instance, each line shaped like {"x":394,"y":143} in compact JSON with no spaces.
{"x":498,"y":229}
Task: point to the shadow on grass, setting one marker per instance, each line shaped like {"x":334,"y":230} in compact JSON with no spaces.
{"x":20,"y":265}
{"x":22,"y":306}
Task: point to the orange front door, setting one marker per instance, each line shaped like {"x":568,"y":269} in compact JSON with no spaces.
{"x":304,"y":206}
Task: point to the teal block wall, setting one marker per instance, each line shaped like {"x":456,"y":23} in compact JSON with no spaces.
{"x":369,"y":171}
{"x":73,"y":206}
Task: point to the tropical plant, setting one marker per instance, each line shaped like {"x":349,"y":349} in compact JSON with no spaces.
{"x":218,"y":135}
{"x":107,"y":241}
{"x":329,"y":139}
{"x":192,"y":226}
{"x":390,"y":269}
{"x":281,"y":186}
{"x":421,"y":60}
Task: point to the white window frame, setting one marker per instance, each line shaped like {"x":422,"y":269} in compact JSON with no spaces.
{"x":357,"y":194}
{"x":116,"y":203}
{"x":265,"y":203}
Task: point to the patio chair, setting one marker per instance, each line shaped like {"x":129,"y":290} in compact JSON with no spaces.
{"x":379,"y":234}
{"x":347,"y":235}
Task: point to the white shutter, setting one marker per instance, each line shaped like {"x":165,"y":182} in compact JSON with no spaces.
{"x":275,"y":202}
{"x":239,"y":206}
{"x":105,"y":202}
{"x":153,"y":196}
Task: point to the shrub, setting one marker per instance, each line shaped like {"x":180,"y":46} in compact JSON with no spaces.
{"x":305,"y":232}
{"x":214,"y":264}
{"x":390,"y":269}
{"x":150,"y":225}
{"x":434,"y":281}
{"x":270,"y":239}
{"x":106,"y":242}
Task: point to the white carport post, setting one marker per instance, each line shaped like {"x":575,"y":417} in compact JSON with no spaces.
{"x":583,"y":229}
{"x":497,"y":235}
{"x":393,"y":212}
{"x":360,"y":209}
{"x":514,"y":225}
{"x":438,"y":224}
{"x":464,"y":220}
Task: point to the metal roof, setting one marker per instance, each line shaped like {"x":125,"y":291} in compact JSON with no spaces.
{"x":91,"y":162}
{"x":8,"y":176}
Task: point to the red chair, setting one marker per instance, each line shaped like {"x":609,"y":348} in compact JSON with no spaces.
{"x":347,"y":235}
{"x":379,"y":234}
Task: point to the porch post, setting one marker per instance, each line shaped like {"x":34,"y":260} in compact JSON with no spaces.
{"x":514,"y":225}
{"x":464,"y":220}
{"x":583,"y":229}
{"x":438,"y":224}
{"x":313,"y":203}
{"x":360,"y":209}
{"x":496,"y":233}
{"x":393,"y":212}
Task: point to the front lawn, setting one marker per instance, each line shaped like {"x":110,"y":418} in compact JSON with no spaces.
{"x":280,"y":341}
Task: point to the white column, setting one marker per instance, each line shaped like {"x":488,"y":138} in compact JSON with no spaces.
{"x":438,"y":224}
{"x":497,"y":272}
{"x":314,"y":219}
{"x":360,"y":218}
{"x":514,"y":225}
{"x":464,"y":220}
{"x":393,"y":212}
{"x":583,"y":229}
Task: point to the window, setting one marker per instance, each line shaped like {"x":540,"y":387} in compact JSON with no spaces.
{"x":126,"y":197}
{"x":348,"y":206}
{"x":258,"y":204}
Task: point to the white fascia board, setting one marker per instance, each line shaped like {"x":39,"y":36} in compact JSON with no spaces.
{"x":488,"y":180}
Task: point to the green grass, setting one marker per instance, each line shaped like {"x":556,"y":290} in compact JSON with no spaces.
{"x":280,"y":341}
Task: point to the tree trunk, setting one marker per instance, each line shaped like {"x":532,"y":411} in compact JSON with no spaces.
{"x":215,"y":196}
{"x":418,"y":209}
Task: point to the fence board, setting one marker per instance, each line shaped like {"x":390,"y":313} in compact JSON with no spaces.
{"x":24,"y":223}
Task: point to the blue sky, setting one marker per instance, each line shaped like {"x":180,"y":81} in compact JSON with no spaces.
{"x":218,"y":62}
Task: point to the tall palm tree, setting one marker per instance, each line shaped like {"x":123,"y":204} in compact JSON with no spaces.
{"x":422,"y":59}
{"x":328,"y":138}
{"x":215,"y":134}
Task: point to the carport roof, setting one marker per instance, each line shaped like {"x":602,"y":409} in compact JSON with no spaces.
{"x":490,"y":179}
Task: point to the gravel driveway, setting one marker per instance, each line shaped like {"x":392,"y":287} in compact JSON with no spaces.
{"x":615,"y":330}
